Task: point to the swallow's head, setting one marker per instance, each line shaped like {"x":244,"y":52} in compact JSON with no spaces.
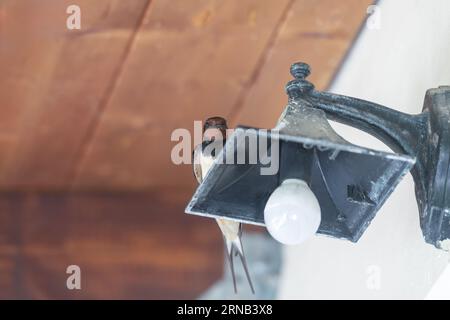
{"x":215,"y":128}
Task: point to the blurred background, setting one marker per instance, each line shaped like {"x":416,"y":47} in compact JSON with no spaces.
{"x":86,"y":117}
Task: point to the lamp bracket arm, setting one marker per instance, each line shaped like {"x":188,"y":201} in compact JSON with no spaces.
{"x":403,"y":133}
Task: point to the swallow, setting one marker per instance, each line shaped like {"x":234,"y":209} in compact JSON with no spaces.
{"x":214,"y":132}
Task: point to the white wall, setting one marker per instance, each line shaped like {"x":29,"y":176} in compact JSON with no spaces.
{"x":394,"y":66}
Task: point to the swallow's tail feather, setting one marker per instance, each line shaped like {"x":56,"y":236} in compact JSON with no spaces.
{"x":235,"y":248}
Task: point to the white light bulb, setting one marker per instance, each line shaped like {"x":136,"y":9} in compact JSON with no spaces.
{"x":292,"y":213}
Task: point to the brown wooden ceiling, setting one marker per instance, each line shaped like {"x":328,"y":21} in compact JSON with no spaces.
{"x":94,"y":108}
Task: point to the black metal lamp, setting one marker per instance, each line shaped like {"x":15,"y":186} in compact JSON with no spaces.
{"x":350,"y":182}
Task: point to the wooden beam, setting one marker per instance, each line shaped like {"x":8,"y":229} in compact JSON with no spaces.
{"x":316,"y":32}
{"x":126,"y":245}
{"x":55,"y":81}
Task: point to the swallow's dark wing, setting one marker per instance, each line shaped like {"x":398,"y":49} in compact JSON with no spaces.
{"x":196,"y":167}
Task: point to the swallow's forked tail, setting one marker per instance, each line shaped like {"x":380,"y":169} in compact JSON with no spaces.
{"x":235,"y":248}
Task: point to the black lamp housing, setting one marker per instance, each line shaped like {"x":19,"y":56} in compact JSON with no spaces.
{"x":350,"y":182}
